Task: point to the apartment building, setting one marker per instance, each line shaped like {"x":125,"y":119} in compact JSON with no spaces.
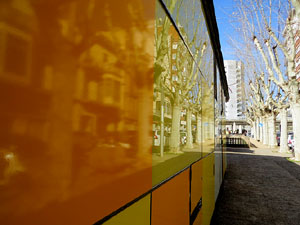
{"x":235,"y":107}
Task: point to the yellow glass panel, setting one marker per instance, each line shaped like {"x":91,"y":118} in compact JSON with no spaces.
{"x":208,"y":199}
{"x":196,"y":184}
{"x":137,"y":214}
{"x":170,"y":202}
{"x":190,"y":17}
{"x":76,"y":90}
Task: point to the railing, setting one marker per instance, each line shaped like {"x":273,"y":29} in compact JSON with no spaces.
{"x":237,"y":141}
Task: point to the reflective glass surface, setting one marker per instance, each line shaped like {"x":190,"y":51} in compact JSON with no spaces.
{"x":183,"y":103}
{"x":99,"y":102}
{"x":76,"y":87}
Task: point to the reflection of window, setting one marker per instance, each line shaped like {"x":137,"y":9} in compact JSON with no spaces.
{"x":111,"y":91}
{"x":29,"y":127}
{"x":174,"y":46}
{"x":168,"y":108}
{"x":15,"y":47}
{"x":92,"y":91}
{"x":174,"y":67}
{"x":173,"y":56}
{"x":174,"y":78}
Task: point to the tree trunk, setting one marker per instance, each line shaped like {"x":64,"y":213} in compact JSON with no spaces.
{"x":283,"y":131}
{"x":257,"y":129}
{"x":199,"y":127}
{"x":254,"y":130}
{"x":296,"y":129}
{"x":265,"y":136}
{"x":175,"y":131}
{"x":144,"y":124}
{"x":189,"y":138}
{"x":272,"y":131}
{"x":261,"y":130}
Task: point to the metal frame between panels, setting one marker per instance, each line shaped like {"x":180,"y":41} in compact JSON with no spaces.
{"x":210,"y":18}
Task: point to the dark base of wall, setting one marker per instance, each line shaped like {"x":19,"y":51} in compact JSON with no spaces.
{"x":213,"y":220}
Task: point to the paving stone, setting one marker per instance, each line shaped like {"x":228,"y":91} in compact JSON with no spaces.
{"x":260,"y":187}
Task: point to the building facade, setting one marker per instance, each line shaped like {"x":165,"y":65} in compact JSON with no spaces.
{"x":235,"y":107}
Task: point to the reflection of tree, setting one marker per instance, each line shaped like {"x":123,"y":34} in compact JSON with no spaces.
{"x":275,"y":42}
{"x":176,"y":72}
{"x":88,"y":96}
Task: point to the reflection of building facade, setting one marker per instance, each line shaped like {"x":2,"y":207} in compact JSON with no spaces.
{"x":170,"y":80}
{"x":76,"y":97}
{"x":71,"y":103}
{"x":235,"y":107}
{"x":175,"y":73}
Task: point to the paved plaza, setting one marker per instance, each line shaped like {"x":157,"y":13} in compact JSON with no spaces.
{"x":261,"y":186}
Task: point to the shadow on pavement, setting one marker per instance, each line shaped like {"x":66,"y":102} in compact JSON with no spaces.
{"x":238,"y":150}
{"x":258,"y":189}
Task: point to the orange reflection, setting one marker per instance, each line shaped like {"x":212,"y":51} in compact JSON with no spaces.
{"x":76,"y":108}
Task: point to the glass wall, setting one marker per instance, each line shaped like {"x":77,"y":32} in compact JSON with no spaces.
{"x":100,"y":102}
{"x":76,"y":79}
{"x":183,"y":103}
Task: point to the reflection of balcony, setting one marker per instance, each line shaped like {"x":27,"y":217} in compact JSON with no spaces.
{"x":95,"y":106}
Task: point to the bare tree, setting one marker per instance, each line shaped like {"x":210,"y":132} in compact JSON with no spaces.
{"x":177,"y":71}
{"x":264,"y":21}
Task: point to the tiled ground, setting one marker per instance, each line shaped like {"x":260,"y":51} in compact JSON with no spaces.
{"x":260,"y":187}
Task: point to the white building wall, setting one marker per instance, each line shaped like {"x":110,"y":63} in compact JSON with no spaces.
{"x":234,"y":108}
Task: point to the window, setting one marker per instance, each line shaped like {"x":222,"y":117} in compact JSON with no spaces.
{"x":15,"y":47}
{"x":174,"y":78}
{"x":92,"y":91}
{"x":111,"y":91}
{"x":168,"y":108}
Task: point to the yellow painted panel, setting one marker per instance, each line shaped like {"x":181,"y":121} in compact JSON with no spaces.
{"x":137,"y":214}
{"x":208,"y":199}
{"x":170,"y":202}
{"x":196,"y":184}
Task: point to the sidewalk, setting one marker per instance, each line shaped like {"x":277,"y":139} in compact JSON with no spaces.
{"x":260,"y":187}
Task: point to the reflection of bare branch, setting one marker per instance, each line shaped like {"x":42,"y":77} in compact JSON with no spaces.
{"x":191,"y":81}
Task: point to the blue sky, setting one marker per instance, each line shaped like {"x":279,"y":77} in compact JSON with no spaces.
{"x":223,"y":8}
